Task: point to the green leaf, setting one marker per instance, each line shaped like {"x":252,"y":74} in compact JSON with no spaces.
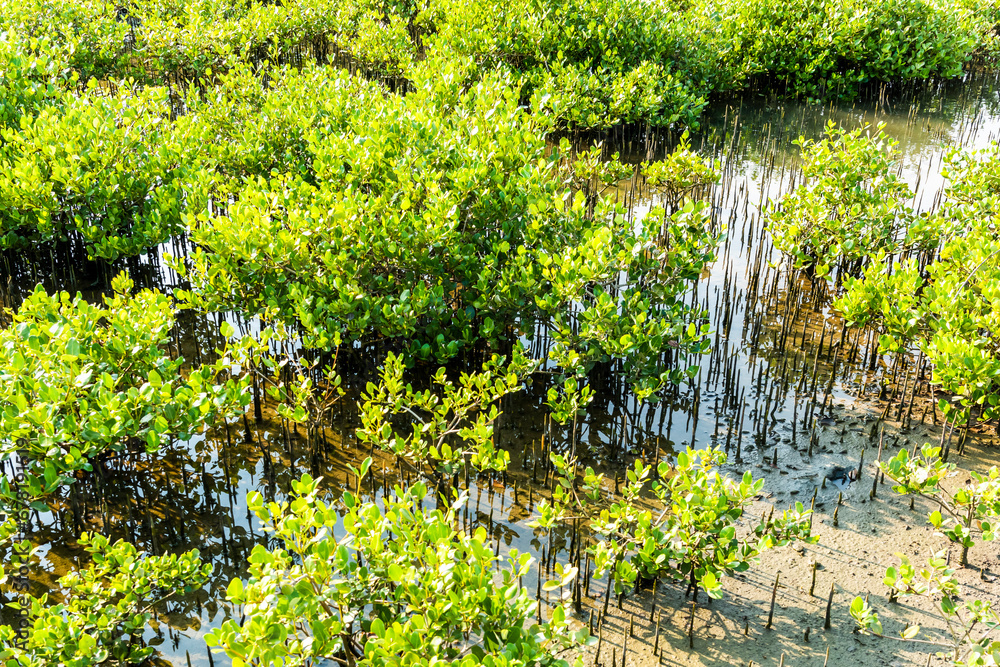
{"x":234,"y":591}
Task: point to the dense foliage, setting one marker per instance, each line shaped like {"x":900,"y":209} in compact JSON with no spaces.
{"x":95,"y":167}
{"x":390,"y":172}
{"x":589,"y":64}
{"x":107,"y":83}
{"x":390,"y":584}
{"x":80,"y":382}
{"x":454,"y":225}
{"x":822,"y":48}
{"x":104,"y":607}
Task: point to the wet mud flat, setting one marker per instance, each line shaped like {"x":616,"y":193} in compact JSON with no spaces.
{"x":849,"y":560}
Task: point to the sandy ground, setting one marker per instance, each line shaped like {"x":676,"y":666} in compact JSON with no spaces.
{"x":853,"y":557}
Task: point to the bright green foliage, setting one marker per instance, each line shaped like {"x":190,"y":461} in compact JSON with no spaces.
{"x":949,"y":311}
{"x":950,"y":307}
{"x":969,"y":622}
{"x":704,"y":508}
{"x":80,"y":381}
{"x":104,"y":608}
{"x":117,"y":173}
{"x":452,"y":424}
{"x":852,"y":215}
{"x":681,"y":174}
{"x":152,"y":41}
{"x":831,"y":47}
{"x":93,"y":166}
{"x":443,"y":220}
{"x":237,"y":128}
{"x":972,"y":508}
{"x":34,"y":76}
{"x":850,"y":207}
{"x":303,"y":400}
{"x":588,"y":64}
{"x":124,"y":176}
{"x":399,"y":586}
{"x":982,"y":17}
{"x":305,"y":386}
{"x":693,"y":537}
{"x":887,"y":300}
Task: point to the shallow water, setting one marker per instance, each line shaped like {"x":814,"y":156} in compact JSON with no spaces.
{"x":767,"y":374}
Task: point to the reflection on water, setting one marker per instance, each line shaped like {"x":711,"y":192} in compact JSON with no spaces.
{"x":781,"y":362}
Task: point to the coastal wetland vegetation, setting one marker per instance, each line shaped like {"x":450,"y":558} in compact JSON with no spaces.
{"x":542,"y":332}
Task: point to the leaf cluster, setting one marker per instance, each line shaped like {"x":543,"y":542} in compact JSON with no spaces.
{"x":400,"y":582}
{"x":80,"y":381}
{"x":105,"y":607}
{"x":694,"y":536}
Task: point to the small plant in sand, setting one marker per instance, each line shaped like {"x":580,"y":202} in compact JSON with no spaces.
{"x":970,"y":624}
{"x":964,"y":511}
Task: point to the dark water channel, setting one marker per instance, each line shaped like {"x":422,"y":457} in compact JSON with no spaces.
{"x":782,"y":367}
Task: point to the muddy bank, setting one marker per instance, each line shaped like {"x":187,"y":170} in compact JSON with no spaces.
{"x":851,"y":557}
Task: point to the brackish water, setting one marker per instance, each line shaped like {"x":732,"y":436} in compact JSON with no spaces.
{"x":782,"y":366}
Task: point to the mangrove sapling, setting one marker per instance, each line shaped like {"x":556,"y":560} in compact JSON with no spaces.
{"x":963,"y":512}
{"x":429,"y":594}
{"x":694,"y":536}
{"x":680,"y":174}
{"x":451,"y":425}
{"x":303,"y":391}
{"x":105,"y":607}
{"x":850,"y":207}
{"x":567,"y":401}
{"x":704,"y":508}
{"x":80,"y":381}
{"x":942,"y":298}
{"x":970,"y":624}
